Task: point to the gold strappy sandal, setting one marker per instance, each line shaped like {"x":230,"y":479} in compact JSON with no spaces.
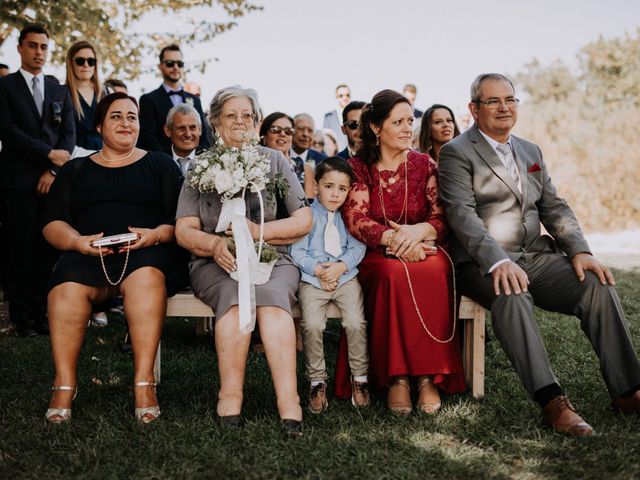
{"x":399,"y":397}
{"x":147,"y":414}
{"x":61,"y":415}
{"x":428,"y":396}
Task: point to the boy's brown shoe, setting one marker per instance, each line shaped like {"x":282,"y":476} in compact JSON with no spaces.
{"x":360,"y":394}
{"x":318,"y":398}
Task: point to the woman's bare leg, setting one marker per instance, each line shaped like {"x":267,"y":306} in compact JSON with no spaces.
{"x":232,"y":348}
{"x":145,"y":305}
{"x":279,"y":339}
{"x":69,"y":307}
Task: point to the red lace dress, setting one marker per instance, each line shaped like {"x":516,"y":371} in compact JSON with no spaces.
{"x":398,"y":342}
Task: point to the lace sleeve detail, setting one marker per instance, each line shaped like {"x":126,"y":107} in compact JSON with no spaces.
{"x":355,"y":210}
{"x":437,"y":216}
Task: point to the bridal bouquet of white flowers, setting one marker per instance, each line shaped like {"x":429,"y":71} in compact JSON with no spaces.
{"x":229,"y":170}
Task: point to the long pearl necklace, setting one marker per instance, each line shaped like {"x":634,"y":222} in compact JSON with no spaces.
{"x":128,"y":155}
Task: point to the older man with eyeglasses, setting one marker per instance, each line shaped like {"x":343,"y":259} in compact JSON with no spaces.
{"x":497,"y":192}
{"x":154,"y":106}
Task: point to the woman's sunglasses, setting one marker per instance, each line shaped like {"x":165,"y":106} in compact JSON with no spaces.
{"x":352,"y":125}
{"x":287,"y":130}
{"x":80,"y":61}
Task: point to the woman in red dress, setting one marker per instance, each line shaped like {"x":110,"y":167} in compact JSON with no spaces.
{"x":406,"y":275}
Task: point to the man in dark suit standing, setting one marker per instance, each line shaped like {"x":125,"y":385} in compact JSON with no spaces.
{"x":155,"y":105}
{"x":37,"y":131}
{"x":497,"y":191}
{"x":351,"y":128}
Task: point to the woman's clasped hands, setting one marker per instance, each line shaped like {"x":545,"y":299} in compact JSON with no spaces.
{"x":411,"y":243}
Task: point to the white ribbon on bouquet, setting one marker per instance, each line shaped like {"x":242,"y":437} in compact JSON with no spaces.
{"x":247,"y":260}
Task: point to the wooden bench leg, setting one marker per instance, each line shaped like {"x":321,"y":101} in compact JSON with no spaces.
{"x":156,"y":364}
{"x":477,"y":351}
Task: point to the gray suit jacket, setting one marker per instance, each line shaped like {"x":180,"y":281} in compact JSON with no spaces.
{"x":490,"y":218}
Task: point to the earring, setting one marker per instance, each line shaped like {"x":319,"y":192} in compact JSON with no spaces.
{"x":377,"y":140}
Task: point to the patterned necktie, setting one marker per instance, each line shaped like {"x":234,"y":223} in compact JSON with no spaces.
{"x":510,"y":163}
{"x":298,"y":167}
{"x":332,"y":237}
{"x":37,"y":95}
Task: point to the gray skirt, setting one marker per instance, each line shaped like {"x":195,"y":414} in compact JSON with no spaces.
{"x":216,"y":288}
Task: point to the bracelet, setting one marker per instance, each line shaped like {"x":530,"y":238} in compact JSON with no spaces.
{"x":53,"y":172}
{"x":390,"y":238}
{"x":158,"y":241}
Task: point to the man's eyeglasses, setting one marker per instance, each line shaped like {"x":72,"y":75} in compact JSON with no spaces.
{"x":352,"y":124}
{"x":172,"y":63}
{"x":289,"y":131}
{"x":494,"y":103}
{"x":245,"y":117}
{"x":80,"y":61}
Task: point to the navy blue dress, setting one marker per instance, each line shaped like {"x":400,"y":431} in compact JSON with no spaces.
{"x":93,"y":199}
{"x":86,"y":134}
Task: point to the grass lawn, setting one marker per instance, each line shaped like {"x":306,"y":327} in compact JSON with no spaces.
{"x":498,"y":437}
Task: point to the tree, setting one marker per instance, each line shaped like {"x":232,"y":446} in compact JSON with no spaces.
{"x":112,"y":26}
{"x":586,"y":122}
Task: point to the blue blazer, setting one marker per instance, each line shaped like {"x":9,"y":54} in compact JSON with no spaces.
{"x":27,"y":138}
{"x":154,"y":107}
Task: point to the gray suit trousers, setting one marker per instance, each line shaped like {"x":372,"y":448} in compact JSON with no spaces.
{"x":554,"y":286}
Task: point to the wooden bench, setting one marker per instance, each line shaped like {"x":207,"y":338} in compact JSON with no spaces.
{"x":184,"y":304}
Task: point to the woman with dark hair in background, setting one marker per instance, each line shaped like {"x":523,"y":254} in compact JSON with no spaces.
{"x":119,"y":189}
{"x":276,"y":131}
{"x":438,"y":127}
{"x":393,"y":207}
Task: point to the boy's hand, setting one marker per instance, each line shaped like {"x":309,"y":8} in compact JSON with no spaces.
{"x":328,"y":286}
{"x":332,"y":271}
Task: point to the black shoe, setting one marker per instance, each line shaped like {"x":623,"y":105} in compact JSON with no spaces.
{"x":292,"y":428}
{"x":42,"y":328}
{"x":231,"y":422}
{"x":26,"y":332}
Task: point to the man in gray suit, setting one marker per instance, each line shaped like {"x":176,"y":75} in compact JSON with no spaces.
{"x":497,"y":191}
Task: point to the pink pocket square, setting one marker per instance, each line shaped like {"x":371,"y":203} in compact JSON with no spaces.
{"x":534,"y":168}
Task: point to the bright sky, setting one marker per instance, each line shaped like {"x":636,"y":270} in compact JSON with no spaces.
{"x":295,"y":52}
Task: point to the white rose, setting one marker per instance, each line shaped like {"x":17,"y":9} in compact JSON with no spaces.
{"x":223,"y":181}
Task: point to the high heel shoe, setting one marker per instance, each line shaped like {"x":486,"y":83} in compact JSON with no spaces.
{"x":60,"y":415}
{"x":147,"y":414}
{"x":428,"y":396}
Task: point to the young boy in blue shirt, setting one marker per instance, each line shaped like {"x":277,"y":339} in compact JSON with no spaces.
{"x":328,"y":257}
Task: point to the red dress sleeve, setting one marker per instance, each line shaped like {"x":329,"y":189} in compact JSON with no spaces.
{"x":436,"y":216}
{"x":356,"y":209}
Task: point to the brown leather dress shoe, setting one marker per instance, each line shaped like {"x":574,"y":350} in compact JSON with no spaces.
{"x":318,"y":401}
{"x":360,"y":394}
{"x":560,"y":415}
{"x":627,"y":405}
{"x":399,"y":397}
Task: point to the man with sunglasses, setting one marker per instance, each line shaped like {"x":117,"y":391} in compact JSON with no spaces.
{"x":333,"y":118}
{"x":351,"y":128}
{"x":497,"y":192}
{"x":155,"y":106}
{"x":37,"y":131}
